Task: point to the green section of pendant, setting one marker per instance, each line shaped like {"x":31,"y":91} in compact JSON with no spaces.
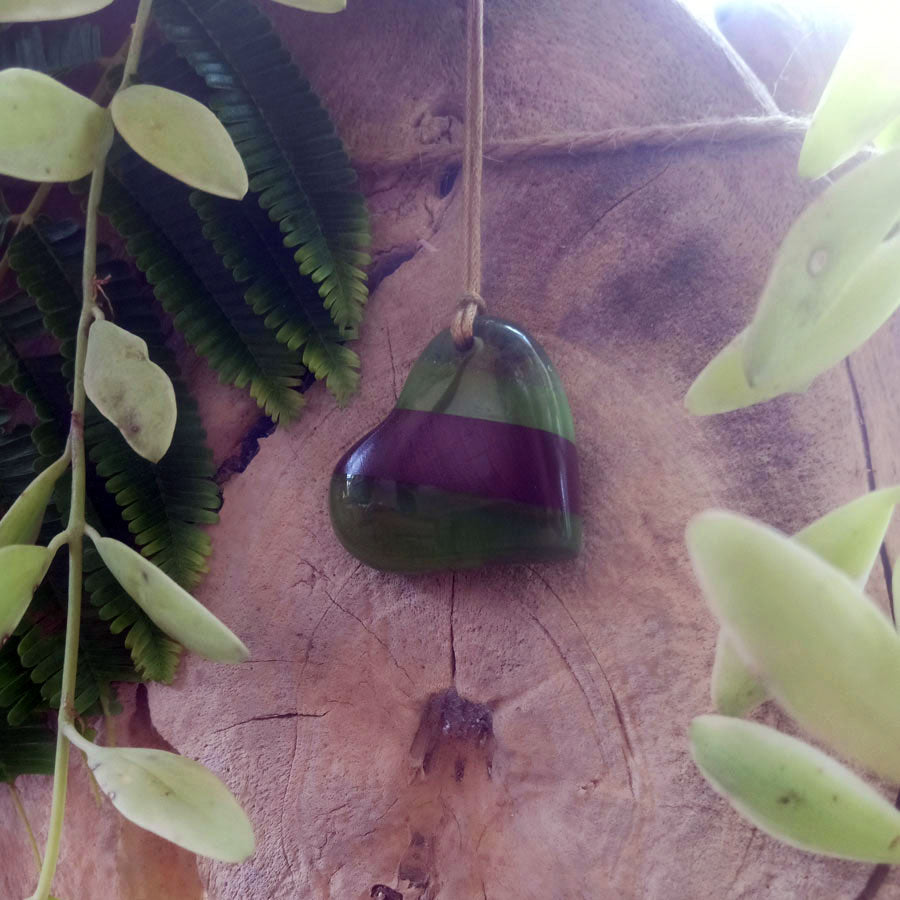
{"x":408,"y":528}
{"x":505,"y":377}
{"x":475,"y":465}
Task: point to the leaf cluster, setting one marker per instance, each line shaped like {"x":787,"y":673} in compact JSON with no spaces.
{"x":836,"y":277}
{"x":131,"y":418}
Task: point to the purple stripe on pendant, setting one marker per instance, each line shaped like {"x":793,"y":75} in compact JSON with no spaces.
{"x":495,"y":460}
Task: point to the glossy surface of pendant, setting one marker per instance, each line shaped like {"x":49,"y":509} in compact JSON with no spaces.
{"x":476,"y":463}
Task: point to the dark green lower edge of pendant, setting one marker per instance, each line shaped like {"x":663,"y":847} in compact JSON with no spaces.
{"x":416,"y":528}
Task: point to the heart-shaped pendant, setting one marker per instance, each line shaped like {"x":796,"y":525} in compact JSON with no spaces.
{"x":475,"y":464}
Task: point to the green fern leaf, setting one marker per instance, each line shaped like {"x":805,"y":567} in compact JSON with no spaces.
{"x":53,"y":48}
{"x":252,"y":248}
{"x":20,"y":697}
{"x":103,"y":658}
{"x":163,"y":234}
{"x":299,"y":171}
{"x":17,"y":463}
{"x":25,"y":750}
{"x":20,"y":320}
{"x":289,"y":303}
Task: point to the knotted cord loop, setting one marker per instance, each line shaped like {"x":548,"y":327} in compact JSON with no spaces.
{"x":461,"y":328}
{"x":471,"y":302}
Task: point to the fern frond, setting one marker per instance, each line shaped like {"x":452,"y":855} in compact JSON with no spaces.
{"x":103,"y":658}
{"x":19,"y":696}
{"x":241,"y":234}
{"x":53,"y":48}
{"x":25,"y":750}
{"x":17,"y":463}
{"x":20,"y":320}
{"x":164,"y":235}
{"x":298,"y":168}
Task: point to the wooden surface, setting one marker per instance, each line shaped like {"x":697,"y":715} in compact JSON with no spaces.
{"x":632,"y":270}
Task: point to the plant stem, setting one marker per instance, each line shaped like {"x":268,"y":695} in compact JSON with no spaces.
{"x":57,"y":542}
{"x":20,"y":809}
{"x":76,"y":524}
{"x":137,"y":41}
{"x":75,"y":530}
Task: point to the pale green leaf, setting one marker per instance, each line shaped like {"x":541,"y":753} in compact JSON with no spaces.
{"x":22,"y":568}
{"x":889,"y":139}
{"x":808,"y":299}
{"x":23,"y":519}
{"x":48,"y":132}
{"x":172,"y":796}
{"x":182,"y":137}
{"x":45,"y":10}
{"x":168,"y":604}
{"x":849,"y":538}
{"x":795,"y":792}
{"x":864,"y":304}
{"x":862,"y":96}
{"x":735,"y":689}
{"x":827,"y":655}
{"x":722,"y":385}
{"x":320,"y":6}
{"x":129,"y":389}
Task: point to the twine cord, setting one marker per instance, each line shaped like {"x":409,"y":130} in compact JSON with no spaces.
{"x":734,"y":130}
{"x":471,"y":302}
{"x":703,"y":132}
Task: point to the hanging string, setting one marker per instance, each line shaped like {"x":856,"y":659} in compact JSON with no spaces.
{"x":703,"y":132}
{"x":471,"y":302}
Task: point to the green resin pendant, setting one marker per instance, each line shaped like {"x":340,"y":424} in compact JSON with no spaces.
{"x":476,"y":463}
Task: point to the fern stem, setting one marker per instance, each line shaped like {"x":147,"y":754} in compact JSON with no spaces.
{"x":20,"y":809}
{"x":76,"y":524}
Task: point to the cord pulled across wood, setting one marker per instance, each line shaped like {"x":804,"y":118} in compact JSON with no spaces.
{"x":749,"y":130}
{"x":712,"y":131}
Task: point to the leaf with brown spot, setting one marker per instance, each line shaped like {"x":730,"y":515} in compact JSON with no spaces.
{"x":172,"y":796}
{"x":129,"y":389}
{"x":794,"y":791}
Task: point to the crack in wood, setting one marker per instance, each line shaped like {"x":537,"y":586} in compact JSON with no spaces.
{"x":880,"y":873}
{"x":387,"y":334}
{"x":266,"y":718}
{"x":870,"y":479}
{"x":377,"y":638}
{"x":452,"y":637}
{"x":621,"y":200}
{"x":627,"y":747}
{"x":246,"y":451}
{"x":587,"y":700}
